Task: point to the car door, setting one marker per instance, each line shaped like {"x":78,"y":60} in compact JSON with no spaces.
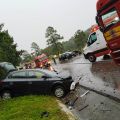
{"x":39,"y":83}
{"x":18,"y":83}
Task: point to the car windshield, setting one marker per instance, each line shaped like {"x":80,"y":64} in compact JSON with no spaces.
{"x":50,"y":73}
{"x":110,"y":18}
{"x":92,"y":39}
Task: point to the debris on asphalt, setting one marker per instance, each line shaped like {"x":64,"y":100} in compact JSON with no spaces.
{"x":83,"y":107}
{"x":98,"y":92}
{"x":72,"y":87}
{"x":106,"y":110}
{"x":85,"y":94}
{"x":44,"y":114}
{"x":67,"y":111}
{"x":72,"y":102}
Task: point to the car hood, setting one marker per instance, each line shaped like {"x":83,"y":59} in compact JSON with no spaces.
{"x":64,"y":75}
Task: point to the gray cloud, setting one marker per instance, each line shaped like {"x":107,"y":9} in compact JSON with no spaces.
{"x":27,"y":20}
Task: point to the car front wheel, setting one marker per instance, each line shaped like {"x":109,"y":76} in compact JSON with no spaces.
{"x":59,"y":91}
{"x":6,"y":95}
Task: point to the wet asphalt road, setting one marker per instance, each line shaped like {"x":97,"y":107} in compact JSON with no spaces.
{"x":101,"y":81}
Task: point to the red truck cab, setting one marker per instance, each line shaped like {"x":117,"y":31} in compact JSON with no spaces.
{"x":108,"y":19}
{"x":42,"y":61}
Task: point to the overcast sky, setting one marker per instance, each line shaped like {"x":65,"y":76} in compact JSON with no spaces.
{"x":27,"y":20}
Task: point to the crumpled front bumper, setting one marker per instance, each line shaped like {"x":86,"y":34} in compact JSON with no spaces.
{"x":73,"y":85}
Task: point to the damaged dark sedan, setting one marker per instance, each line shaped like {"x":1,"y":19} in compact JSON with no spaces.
{"x":35,"y":81}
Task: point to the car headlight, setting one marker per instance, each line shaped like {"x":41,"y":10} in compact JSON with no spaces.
{"x":49,"y":62}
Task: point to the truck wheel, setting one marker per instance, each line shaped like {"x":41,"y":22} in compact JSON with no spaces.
{"x":59,"y":91}
{"x":6,"y":94}
{"x":106,"y":57}
{"x":91,"y":58}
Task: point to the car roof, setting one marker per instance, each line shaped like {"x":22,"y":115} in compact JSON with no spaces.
{"x":47,"y":72}
{"x":37,"y":69}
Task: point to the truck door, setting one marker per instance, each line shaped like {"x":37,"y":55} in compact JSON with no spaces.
{"x":101,"y":43}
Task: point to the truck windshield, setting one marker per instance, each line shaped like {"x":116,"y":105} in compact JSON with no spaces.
{"x":110,"y":18}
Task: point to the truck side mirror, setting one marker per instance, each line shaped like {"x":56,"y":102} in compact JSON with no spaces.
{"x":97,"y":21}
{"x":88,"y":44}
{"x":96,"y":18}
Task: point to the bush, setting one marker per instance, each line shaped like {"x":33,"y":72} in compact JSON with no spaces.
{"x":3,"y":73}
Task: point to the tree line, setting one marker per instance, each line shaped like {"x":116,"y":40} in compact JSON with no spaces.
{"x":8,"y":51}
{"x":55,"y":45}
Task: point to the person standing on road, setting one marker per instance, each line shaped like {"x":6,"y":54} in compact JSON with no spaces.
{"x":54,"y":60}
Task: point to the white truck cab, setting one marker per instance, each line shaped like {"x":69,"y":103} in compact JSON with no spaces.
{"x":96,"y":46}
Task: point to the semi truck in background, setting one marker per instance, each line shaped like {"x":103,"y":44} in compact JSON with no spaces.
{"x":96,"y":45}
{"x":108,"y":20}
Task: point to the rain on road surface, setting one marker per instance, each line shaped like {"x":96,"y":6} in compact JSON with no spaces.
{"x":102,"y":82}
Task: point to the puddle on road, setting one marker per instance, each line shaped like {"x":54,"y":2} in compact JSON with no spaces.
{"x":93,"y":106}
{"x":108,"y":72}
{"x":103,"y":76}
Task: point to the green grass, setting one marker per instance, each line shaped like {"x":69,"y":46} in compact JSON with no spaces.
{"x":30,"y":108}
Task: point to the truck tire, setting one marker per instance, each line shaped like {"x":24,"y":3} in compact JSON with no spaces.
{"x":91,"y":58}
{"x":106,"y":57}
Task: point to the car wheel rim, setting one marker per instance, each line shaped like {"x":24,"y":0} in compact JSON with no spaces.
{"x":6,"y":96}
{"x":59,"y":92}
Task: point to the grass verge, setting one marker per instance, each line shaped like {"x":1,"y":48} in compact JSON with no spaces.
{"x":31,"y":108}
